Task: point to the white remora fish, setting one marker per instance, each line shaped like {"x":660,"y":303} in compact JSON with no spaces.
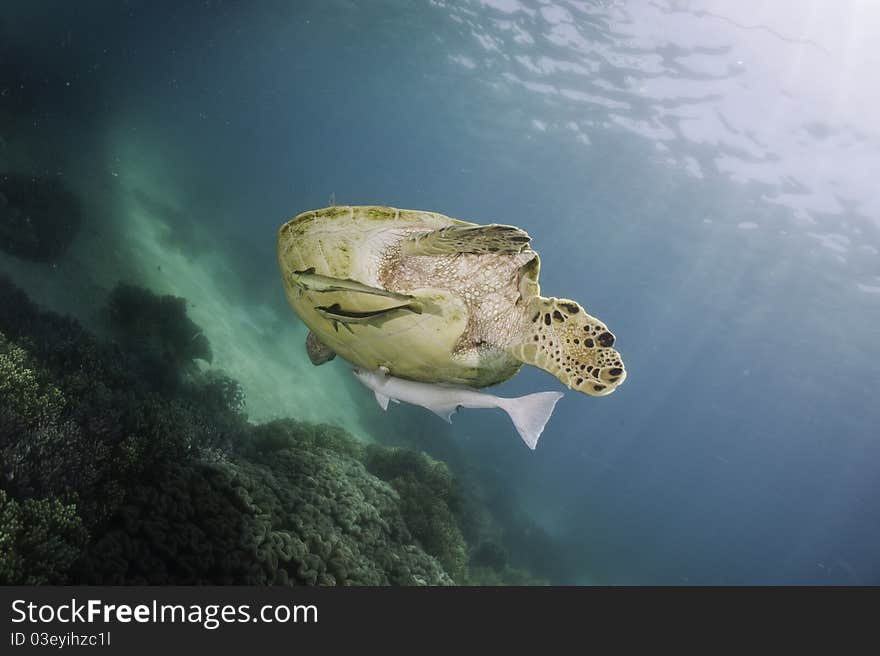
{"x":529,"y":413}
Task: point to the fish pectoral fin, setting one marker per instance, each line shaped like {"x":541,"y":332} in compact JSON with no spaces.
{"x":445,"y":412}
{"x":336,"y":322}
{"x":501,"y":239}
{"x":383,"y":400}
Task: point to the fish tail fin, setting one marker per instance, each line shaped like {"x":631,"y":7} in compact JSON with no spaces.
{"x":530,"y":414}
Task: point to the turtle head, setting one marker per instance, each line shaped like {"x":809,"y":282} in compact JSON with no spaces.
{"x":561,"y":338}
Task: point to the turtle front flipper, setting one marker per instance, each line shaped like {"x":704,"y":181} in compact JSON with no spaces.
{"x":561,"y":338}
{"x":501,"y":239}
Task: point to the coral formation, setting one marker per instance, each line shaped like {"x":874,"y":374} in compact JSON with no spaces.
{"x":172,"y":483}
{"x":123,"y":463}
{"x":430,"y":502}
{"x":300,"y":510}
{"x":149,"y":323}
{"x":38,"y":217}
{"x":484,"y":511}
{"x":39,"y":541}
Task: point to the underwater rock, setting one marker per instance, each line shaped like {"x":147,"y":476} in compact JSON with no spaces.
{"x":38,"y":217}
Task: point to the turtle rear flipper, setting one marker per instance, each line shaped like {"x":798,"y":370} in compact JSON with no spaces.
{"x":319,"y":353}
{"x":564,"y":340}
{"x":501,"y":239}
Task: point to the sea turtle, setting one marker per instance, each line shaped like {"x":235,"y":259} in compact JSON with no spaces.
{"x":430,"y":298}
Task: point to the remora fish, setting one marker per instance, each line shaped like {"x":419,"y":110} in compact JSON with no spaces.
{"x":314,"y":282}
{"x":529,"y":413}
{"x":375,"y":318}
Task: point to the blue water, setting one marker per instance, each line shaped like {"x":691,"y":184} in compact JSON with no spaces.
{"x":699,"y":175}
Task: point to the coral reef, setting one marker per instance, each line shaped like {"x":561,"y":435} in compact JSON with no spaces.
{"x":38,"y":217}
{"x":157,"y":331}
{"x":300,"y":510}
{"x":487,"y":515}
{"x":121,"y":462}
{"x":169,"y":481}
{"x":80,"y":421}
{"x":147,"y":322}
{"x":431,"y":503}
{"x":39,"y":541}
